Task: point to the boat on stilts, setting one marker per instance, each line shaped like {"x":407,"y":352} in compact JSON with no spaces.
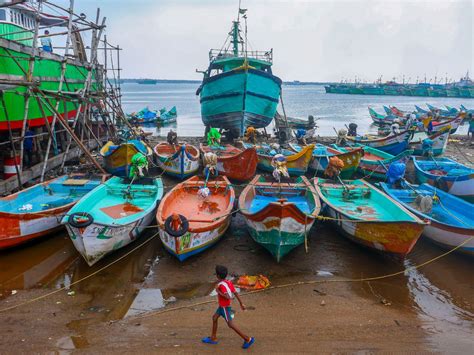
{"x":194,"y":215}
{"x":279,"y":215}
{"x":112,"y":216}
{"x":322,"y":154}
{"x":118,"y":158}
{"x":451,"y":218}
{"x":37,"y":211}
{"x":237,"y":164}
{"x":369,"y":217}
{"x":447,"y":175}
{"x":177,"y":160}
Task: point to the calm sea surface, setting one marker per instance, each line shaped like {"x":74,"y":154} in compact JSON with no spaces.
{"x":333,"y":110}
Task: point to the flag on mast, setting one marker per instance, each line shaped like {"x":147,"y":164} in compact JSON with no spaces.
{"x":242,"y":11}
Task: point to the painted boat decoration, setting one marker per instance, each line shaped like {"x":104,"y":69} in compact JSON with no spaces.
{"x":393,"y":144}
{"x":321,"y":154}
{"x":239,"y":89}
{"x":297,"y":163}
{"x":447,"y":175}
{"x":279,"y":216}
{"x":112,"y":216}
{"x":189,"y":223}
{"x":117,"y":158}
{"x":36,"y":211}
{"x":374,"y":163}
{"x":181,"y":161}
{"x":168,"y":116}
{"x":438,"y":142}
{"x":451,"y":218}
{"x":369,"y":217}
{"x":236,"y":164}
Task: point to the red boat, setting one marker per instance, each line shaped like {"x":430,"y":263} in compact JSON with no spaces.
{"x":236,"y":164}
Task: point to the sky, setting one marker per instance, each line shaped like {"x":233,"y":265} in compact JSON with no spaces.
{"x":313,"y":40}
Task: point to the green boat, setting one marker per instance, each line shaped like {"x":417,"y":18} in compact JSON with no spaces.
{"x":239,"y":89}
{"x":16,"y":49}
{"x":279,"y":216}
{"x":373,"y":90}
{"x":452,"y":91}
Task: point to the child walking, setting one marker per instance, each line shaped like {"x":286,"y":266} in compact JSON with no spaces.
{"x":225,"y":292}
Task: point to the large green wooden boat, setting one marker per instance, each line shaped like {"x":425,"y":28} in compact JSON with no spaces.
{"x":238,"y":89}
{"x":17,"y":23}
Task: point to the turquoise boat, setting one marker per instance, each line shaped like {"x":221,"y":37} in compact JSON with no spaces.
{"x":239,"y":89}
{"x":36,"y":211}
{"x":112,"y":216}
{"x":451,"y":218}
{"x":168,"y":116}
{"x":372,"y":90}
{"x":447,"y":175}
{"x":279,"y":216}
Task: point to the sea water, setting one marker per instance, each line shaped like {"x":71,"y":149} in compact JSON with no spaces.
{"x":332,"y":111}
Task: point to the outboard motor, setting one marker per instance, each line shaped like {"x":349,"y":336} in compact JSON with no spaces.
{"x":352,"y":130}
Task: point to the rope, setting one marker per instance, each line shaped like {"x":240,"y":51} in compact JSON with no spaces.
{"x":312,"y":282}
{"x":80,"y":280}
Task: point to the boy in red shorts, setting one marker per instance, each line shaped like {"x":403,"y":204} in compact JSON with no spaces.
{"x":225,"y":292}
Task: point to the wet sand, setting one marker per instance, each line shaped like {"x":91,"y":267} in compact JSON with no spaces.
{"x":424,"y":310}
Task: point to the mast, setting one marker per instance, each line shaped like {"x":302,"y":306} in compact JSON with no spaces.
{"x":235,"y":37}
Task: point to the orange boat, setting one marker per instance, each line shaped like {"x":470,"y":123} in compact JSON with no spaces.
{"x":236,"y":164}
{"x":192,"y":219}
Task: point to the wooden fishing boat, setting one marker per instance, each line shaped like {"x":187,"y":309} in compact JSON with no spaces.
{"x":112,"y":216}
{"x":451,"y":218}
{"x":279,"y":215}
{"x":369,"y":217}
{"x":117,"y":158}
{"x":447,"y":175}
{"x":189,"y":223}
{"x":236,"y":164}
{"x":36,"y":211}
{"x":294,"y":122}
{"x":321,"y":154}
{"x":439,"y":142}
{"x":393,"y":144}
{"x":451,"y":112}
{"x":179,"y":161}
{"x":297,"y":163}
{"x":168,"y":116}
{"x":421,"y":110}
{"x":374,"y":163}
{"x":143,"y":116}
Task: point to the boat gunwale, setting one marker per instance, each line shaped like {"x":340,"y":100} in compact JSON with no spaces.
{"x":177,"y":153}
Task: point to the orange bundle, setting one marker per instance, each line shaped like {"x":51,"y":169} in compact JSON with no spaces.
{"x":253,"y":282}
{"x":334,"y":167}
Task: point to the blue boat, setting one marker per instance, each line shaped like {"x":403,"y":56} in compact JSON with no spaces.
{"x":239,"y":89}
{"x":421,"y":110}
{"x":393,"y":144}
{"x":168,"y":116}
{"x":451,"y":218}
{"x":447,"y":175}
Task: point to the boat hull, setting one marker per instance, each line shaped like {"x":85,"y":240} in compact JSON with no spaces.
{"x":296,"y":164}
{"x":239,"y":98}
{"x":118,"y":162}
{"x":440,"y":142}
{"x":377,"y":169}
{"x":394,"y":144}
{"x":192,"y":243}
{"x":351,"y":162}
{"x":98,"y":240}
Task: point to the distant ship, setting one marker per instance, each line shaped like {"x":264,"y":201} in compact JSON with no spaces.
{"x":238,"y":89}
{"x":147,"y":81}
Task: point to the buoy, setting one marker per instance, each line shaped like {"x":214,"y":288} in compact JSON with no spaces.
{"x":9,"y":169}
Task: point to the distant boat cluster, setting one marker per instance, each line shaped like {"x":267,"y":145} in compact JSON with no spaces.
{"x":463,"y":88}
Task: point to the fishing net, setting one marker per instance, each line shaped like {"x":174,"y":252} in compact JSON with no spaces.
{"x":395,"y":172}
{"x":334,"y":167}
{"x":257,"y":282}
{"x":279,"y":167}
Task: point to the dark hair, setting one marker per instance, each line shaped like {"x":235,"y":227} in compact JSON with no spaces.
{"x":221,"y":271}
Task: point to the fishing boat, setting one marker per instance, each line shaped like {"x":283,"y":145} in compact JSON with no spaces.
{"x":393,"y":144}
{"x":279,"y":216}
{"x":145,"y":116}
{"x":294,"y":122}
{"x":190,"y":222}
{"x":438,"y":142}
{"x":374,"y":162}
{"x":321,"y":154}
{"x":447,"y":175}
{"x":451,"y":112}
{"x":369,"y":217}
{"x":380,"y":119}
{"x":117,"y":158}
{"x":421,"y":110}
{"x":112,"y":216}
{"x":179,"y":161}
{"x":168,"y":116}
{"x":236,"y":164}
{"x":36,"y":211}
{"x":451,"y":218}
{"x":239,"y":89}
{"x":297,"y":163}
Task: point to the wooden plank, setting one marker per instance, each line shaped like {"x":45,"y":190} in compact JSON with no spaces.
{"x":6,"y":186}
